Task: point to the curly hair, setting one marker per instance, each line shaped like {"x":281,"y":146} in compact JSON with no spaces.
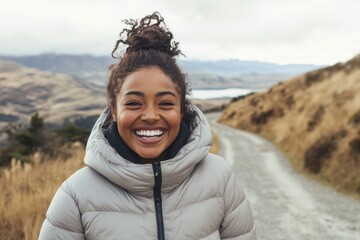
{"x":149,"y":43}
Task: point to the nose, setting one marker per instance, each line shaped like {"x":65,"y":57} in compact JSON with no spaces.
{"x":150,"y":114}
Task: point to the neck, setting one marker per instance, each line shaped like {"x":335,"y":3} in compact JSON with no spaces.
{"x":152,"y":160}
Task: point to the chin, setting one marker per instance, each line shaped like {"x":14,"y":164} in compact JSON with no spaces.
{"x":149,"y":156}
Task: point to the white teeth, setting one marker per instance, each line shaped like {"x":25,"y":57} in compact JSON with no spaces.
{"x":149,"y":133}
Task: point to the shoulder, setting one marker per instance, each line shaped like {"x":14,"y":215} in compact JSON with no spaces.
{"x":217,"y":164}
{"x":82,"y":176}
{"x":215,"y":169}
{"x":84,"y":182}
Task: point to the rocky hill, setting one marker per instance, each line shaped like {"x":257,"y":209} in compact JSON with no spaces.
{"x":57,"y":97}
{"x":314,"y":119}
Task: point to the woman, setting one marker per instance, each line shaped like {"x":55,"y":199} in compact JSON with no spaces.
{"x":149,"y":173}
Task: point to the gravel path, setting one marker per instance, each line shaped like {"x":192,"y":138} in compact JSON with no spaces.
{"x":286,"y":204}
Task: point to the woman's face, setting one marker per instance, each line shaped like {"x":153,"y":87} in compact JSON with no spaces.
{"x":148,"y":112}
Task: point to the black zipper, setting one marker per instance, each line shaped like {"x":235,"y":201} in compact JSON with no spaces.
{"x":158,"y":201}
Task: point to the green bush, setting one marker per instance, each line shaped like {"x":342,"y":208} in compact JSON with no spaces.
{"x":72,"y":133}
{"x":25,"y":141}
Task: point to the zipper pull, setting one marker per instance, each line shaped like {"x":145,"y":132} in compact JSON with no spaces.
{"x":156,"y":168}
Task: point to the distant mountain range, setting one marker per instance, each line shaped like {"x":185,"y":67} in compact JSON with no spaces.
{"x":236,"y":68}
{"x":93,"y":70}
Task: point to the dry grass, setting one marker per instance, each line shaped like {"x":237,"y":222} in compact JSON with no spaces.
{"x":26,"y":192}
{"x":315,"y":119}
{"x":215,"y":143}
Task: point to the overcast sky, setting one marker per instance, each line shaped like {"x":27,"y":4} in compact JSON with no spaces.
{"x":279,"y":31}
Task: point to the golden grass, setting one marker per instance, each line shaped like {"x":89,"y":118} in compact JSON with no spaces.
{"x":311,"y":118}
{"x":215,"y":143}
{"x":26,"y":192}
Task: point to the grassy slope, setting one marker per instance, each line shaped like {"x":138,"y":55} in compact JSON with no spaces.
{"x":314,"y":119}
{"x":26,"y":193}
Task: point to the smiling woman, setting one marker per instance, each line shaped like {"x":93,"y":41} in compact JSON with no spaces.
{"x":149,"y":173}
{"x":148,"y":113}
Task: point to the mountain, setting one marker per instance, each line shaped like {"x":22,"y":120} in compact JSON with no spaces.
{"x":57,"y":97}
{"x":92,"y":71}
{"x":314,"y":118}
{"x":237,"y":67}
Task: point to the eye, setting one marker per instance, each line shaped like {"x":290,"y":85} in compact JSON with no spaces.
{"x":133,"y":104}
{"x":166,"y":104}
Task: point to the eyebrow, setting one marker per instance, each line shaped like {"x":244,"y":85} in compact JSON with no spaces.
{"x":159,"y":94}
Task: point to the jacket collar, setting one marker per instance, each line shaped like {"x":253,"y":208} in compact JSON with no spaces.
{"x":139,"y":178}
{"x":114,"y":139}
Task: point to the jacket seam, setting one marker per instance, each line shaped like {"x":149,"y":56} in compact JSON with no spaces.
{"x":227,"y":213}
{"x":227,"y":184}
{"x":112,"y":211}
{"x":76,"y":203}
{"x":70,"y":195}
{"x":239,"y":205}
{"x":195,"y":203}
{"x":245,"y":233}
{"x":61,"y":227}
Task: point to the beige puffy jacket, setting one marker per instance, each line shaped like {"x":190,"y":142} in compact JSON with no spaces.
{"x":113,"y":198}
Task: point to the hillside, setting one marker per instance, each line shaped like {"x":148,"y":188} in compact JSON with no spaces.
{"x":313,"y":118}
{"x":92,"y":70}
{"x":57,"y":97}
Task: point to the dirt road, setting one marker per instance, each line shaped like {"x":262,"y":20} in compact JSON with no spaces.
{"x":286,"y":204}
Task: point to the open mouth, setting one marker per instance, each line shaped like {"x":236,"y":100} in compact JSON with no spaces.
{"x":149,"y":133}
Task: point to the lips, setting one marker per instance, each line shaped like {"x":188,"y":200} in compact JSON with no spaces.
{"x":149,"y":136}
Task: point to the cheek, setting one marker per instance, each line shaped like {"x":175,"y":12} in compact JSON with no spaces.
{"x":174,"y":119}
{"x":125,"y":117}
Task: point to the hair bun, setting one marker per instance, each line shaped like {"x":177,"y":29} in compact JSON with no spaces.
{"x":150,"y":33}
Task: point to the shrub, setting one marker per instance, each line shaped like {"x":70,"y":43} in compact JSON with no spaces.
{"x":313,"y":77}
{"x":355,"y":145}
{"x":254,"y":102}
{"x":231,"y":115}
{"x":355,"y":119}
{"x":23,"y":142}
{"x":290,"y":101}
{"x":318,"y":153}
{"x":72,"y":133}
{"x":262,"y":117}
{"x":240,"y":97}
{"x":316,"y":118}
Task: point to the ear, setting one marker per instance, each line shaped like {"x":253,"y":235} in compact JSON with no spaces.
{"x":113,"y":113}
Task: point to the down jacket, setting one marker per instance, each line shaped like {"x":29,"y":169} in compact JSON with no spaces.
{"x":113,"y":198}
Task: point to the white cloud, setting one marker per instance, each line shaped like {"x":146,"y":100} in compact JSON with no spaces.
{"x":292,"y":31}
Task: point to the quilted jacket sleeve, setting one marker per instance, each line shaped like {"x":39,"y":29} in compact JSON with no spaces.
{"x":238,"y":222}
{"x":63,"y":219}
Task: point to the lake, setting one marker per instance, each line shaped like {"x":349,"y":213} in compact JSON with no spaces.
{"x":219,"y":93}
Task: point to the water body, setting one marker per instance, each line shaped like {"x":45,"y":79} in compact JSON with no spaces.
{"x":219,"y":93}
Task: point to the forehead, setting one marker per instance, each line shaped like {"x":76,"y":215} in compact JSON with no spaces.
{"x":148,"y":80}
